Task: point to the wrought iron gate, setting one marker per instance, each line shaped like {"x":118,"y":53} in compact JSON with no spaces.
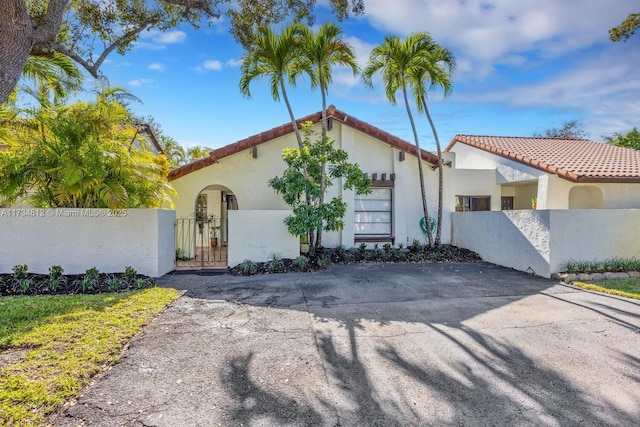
{"x":201,"y":242}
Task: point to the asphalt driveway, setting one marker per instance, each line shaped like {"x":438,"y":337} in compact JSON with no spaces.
{"x":377,"y":345}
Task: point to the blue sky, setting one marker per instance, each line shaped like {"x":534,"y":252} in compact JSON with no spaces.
{"x":523,"y":66}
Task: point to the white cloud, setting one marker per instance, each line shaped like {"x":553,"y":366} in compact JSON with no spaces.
{"x":491,"y":32}
{"x":212,"y":64}
{"x":217,"y":65}
{"x":157,"y":40}
{"x":361,"y":48}
{"x":233,"y":62}
{"x":170,"y":37}
{"x":156,"y":66}
{"x":140,"y":82}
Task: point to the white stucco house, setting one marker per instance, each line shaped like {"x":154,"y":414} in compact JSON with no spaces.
{"x":230,"y":187}
{"x":505,"y":173}
{"x":587,"y":197}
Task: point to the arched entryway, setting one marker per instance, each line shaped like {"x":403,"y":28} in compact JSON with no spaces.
{"x":202,"y":237}
{"x":585,"y":197}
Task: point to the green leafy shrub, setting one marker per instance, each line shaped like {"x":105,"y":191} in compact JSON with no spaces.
{"x":416,"y":246}
{"x":181,"y":255}
{"x":248,"y":267}
{"x":615,"y":264}
{"x":130,"y":274}
{"x":323,"y":261}
{"x":20,"y":271}
{"x":90,"y":280}
{"x":275,"y":263}
{"x":113,"y":283}
{"x":350,"y":255}
{"x":55,"y":276}
{"x":301,"y":263}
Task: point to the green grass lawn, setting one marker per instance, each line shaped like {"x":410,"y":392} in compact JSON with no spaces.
{"x":629,"y":288}
{"x":50,"y":346}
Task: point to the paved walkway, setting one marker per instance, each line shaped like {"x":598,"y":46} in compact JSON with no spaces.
{"x":377,"y":345}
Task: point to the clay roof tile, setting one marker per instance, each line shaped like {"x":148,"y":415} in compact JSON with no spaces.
{"x":578,"y":160}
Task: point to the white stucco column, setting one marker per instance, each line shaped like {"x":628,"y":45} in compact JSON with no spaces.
{"x":543,"y":192}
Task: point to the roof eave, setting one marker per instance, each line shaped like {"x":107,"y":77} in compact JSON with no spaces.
{"x":266,"y":136}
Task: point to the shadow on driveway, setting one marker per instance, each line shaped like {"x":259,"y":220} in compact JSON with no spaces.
{"x":381,"y":345}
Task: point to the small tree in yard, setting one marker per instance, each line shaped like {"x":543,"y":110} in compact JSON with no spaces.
{"x":312,"y":169}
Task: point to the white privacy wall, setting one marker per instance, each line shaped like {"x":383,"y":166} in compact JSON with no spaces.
{"x":543,"y":241}
{"x":78,"y":239}
{"x":257,"y":235}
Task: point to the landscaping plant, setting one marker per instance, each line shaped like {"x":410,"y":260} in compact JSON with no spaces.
{"x":55,"y":276}
{"x":311,"y":170}
{"x":248,"y":267}
{"x":275,"y":264}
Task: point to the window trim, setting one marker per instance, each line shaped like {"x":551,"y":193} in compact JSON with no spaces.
{"x":369,"y":237}
{"x":470,"y":198}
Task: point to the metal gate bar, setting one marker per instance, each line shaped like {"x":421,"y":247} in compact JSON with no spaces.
{"x":200,"y":244}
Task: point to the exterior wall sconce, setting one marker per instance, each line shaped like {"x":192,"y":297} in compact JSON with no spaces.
{"x":254,"y":152}
{"x":401,"y":155}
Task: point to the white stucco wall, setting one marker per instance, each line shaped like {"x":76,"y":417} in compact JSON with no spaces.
{"x":78,"y":239}
{"x":515,"y":239}
{"x":258,"y":234}
{"x":593,"y":235}
{"x":543,"y":241}
{"x":480,"y":182}
{"x":507,"y":170}
{"x":614,"y":195}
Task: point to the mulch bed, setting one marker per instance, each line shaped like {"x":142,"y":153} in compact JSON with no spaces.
{"x":323,"y":257}
{"x":41,"y":284}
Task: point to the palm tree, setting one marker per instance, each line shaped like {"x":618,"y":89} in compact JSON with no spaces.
{"x":274,"y":56}
{"x":435,"y":69}
{"x":174,"y":152}
{"x":57,"y":74}
{"x":197,"y":152}
{"x":320,"y":52}
{"x":81,"y":155}
{"x":394,"y":59}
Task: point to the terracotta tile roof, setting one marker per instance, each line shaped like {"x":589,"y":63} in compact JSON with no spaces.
{"x":577,"y":160}
{"x":287,"y":128}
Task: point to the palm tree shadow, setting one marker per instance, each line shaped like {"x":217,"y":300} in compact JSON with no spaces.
{"x":351,"y":377}
{"x":253,"y":402}
{"x":502,"y":385}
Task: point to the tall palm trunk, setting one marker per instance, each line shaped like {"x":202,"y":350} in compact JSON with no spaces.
{"x":440,"y":172}
{"x":420,"y":171}
{"x":296,"y":130}
{"x":324,"y":135}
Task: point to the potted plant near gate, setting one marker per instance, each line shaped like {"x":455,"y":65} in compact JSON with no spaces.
{"x":214,"y":235}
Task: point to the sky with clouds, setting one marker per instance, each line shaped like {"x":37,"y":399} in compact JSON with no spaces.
{"x":522,"y":67}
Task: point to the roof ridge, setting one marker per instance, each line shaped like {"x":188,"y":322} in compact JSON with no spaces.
{"x":286,"y":128}
{"x":527,"y":137}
